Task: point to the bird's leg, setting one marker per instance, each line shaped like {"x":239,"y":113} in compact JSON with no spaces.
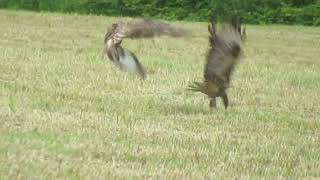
{"x":213,"y":102}
{"x":224,"y":97}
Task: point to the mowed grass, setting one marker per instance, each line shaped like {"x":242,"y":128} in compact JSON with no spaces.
{"x":67,"y":112}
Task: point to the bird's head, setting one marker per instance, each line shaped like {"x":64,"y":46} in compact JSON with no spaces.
{"x":112,"y":37}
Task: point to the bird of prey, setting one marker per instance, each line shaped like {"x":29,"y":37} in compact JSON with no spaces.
{"x":124,"y":58}
{"x":226,"y":48}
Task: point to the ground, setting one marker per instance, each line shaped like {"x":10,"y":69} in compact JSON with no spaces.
{"x":67,"y":112}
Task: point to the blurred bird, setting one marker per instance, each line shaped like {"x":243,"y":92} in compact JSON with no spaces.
{"x":124,"y":58}
{"x":226,"y":49}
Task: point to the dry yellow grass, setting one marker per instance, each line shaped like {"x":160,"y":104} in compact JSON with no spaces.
{"x":65,"y":112}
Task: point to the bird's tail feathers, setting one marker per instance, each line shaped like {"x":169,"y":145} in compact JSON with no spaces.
{"x":206,"y":87}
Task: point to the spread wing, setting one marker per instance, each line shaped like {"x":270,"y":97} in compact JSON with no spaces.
{"x":134,"y":30}
{"x":144,"y":29}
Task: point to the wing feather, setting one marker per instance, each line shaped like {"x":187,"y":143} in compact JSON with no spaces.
{"x":134,"y":30}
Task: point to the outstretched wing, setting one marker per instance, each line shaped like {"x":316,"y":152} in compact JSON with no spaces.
{"x":140,"y":29}
{"x":145,"y":29}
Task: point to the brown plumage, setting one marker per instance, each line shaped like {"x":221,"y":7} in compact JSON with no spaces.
{"x":225,"y":51}
{"x":124,"y":58}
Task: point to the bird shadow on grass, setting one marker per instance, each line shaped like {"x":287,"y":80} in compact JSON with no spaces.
{"x":187,"y":109}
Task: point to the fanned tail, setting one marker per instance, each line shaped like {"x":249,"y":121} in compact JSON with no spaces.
{"x":205,"y":87}
{"x":196,"y":87}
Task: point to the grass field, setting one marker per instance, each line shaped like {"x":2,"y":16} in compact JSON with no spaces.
{"x":65,"y":112}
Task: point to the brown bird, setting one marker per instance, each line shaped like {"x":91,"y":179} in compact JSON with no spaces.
{"x":225,"y":51}
{"x":124,"y":58}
